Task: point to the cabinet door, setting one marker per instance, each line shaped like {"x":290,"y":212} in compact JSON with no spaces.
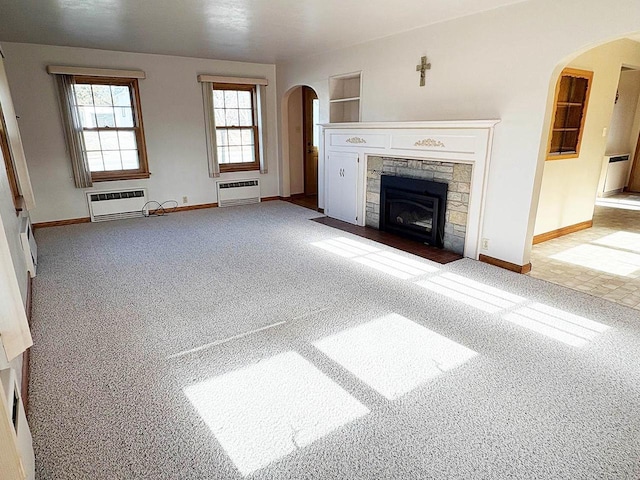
{"x":342,"y":186}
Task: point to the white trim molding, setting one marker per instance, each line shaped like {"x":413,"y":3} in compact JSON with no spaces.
{"x":94,"y":72}
{"x":451,"y":141}
{"x":236,"y":80}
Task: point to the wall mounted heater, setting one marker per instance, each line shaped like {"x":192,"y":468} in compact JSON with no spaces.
{"x":617,"y":173}
{"x":29,"y":246}
{"x":240,"y":192}
{"x":116,"y":205}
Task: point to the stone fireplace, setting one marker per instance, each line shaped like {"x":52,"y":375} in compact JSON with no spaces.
{"x":354,"y":156}
{"x":457,"y":177}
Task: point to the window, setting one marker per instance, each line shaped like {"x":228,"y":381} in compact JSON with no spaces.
{"x":111,"y":120}
{"x":570,"y":109}
{"x":5,"y":151}
{"x":235,"y":123}
{"x":236,"y":127}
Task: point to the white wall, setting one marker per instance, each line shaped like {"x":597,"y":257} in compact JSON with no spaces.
{"x":496,"y":64}
{"x":173,"y":117}
{"x":624,"y":112}
{"x":296,"y":142}
{"x":10,"y":221}
{"x":634,"y":138}
{"x":569,"y":187}
{"x":13,"y":270}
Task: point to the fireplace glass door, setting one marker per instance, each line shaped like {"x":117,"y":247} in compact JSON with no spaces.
{"x":409,"y":213}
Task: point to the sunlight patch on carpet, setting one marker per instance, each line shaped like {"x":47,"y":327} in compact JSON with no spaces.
{"x":475,"y":294}
{"x":565,"y":327}
{"x":387,"y":262}
{"x":345,"y":247}
{"x":265,"y":411}
{"x":394,"y":355}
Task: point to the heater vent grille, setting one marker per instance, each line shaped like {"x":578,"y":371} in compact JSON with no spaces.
{"x":116,"y":205}
{"x":240,"y":192}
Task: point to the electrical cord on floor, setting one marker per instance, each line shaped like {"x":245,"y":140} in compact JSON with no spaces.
{"x":161,"y":210}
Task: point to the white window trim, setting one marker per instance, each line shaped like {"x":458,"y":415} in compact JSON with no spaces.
{"x":207,"y":82}
{"x":236,"y":80}
{"x":95,"y":72}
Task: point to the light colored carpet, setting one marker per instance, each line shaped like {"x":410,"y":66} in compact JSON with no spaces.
{"x":251,"y":342}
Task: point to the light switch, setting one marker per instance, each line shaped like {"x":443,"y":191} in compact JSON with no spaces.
{"x":605,"y":130}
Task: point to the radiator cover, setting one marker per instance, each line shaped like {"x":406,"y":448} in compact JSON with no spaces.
{"x":116,"y":204}
{"x":239,"y":192}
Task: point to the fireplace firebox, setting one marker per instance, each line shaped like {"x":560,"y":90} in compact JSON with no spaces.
{"x":413,"y":208}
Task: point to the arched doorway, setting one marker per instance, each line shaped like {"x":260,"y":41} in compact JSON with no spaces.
{"x":587,"y":227}
{"x":301,"y":138}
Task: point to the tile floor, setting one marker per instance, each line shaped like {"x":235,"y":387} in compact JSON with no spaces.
{"x":603,"y":260}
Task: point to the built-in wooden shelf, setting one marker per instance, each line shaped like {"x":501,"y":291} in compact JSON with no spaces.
{"x":570,"y":109}
{"x":344,"y":97}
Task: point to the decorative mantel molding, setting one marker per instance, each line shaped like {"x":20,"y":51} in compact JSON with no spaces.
{"x":451,"y":141}
{"x":429,"y":142}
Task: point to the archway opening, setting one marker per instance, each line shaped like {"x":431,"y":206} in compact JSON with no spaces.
{"x":587,"y":227}
{"x":301,"y":139}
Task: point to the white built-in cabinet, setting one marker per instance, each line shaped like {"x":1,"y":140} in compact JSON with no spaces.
{"x":344,"y":97}
{"x":342,"y":180}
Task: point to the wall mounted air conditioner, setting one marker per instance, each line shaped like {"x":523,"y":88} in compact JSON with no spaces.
{"x":29,"y":246}
{"x":116,"y":204}
{"x":241,"y":192}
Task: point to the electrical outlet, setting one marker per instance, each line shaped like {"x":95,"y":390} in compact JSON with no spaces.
{"x":485,"y":244}
{"x":185,"y":200}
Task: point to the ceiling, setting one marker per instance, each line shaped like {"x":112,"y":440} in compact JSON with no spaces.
{"x":267,"y":31}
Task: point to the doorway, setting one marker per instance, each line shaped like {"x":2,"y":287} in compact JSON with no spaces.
{"x":633,"y":182}
{"x":620,"y":169}
{"x":587,"y":231}
{"x":304,"y":138}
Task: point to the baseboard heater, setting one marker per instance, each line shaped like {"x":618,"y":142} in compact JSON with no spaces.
{"x":117,"y":204}
{"x":241,"y":192}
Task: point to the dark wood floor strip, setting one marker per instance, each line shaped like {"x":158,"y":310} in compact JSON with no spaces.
{"x":307,"y":201}
{"x":434,"y":254}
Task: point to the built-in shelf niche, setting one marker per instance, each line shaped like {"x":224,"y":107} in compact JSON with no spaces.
{"x":344,"y":97}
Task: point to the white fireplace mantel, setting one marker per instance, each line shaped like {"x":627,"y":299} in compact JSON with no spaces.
{"x":450,"y":141}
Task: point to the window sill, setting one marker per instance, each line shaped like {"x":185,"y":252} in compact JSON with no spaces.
{"x":239,"y":168}
{"x":563,"y":157}
{"x":112,"y":177}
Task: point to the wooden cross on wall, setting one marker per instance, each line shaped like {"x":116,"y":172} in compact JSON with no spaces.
{"x":422,"y":68}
